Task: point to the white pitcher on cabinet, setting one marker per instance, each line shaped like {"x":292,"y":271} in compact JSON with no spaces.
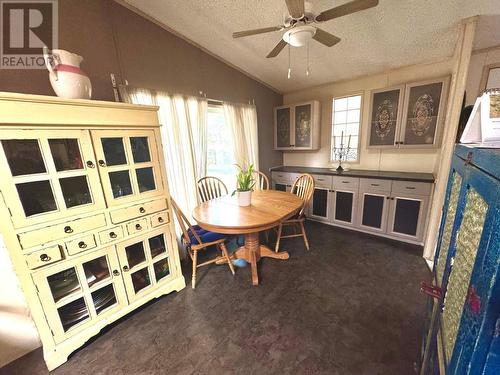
{"x":66,"y":77}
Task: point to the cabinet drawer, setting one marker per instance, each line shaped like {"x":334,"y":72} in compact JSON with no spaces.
{"x":420,"y":188}
{"x":322,"y":181}
{"x":123,"y":214}
{"x":110,"y":235}
{"x":61,"y":231}
{"x":81,"y":244}
{"x":281,"y":177}
{"x":340,"y":182}
{"x":44,"y":257}
{"x":137,"y":226}
{"x":375,"y":184}
{"x":160,"y":218}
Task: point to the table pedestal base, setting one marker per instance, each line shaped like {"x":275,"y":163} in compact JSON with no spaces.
{"x":253,"y":251}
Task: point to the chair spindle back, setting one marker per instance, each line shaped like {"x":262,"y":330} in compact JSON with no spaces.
{"x":261,"y":181}
{"x":210,"y":188}
{"x":185,"y":225}
{"x":303,"y":187}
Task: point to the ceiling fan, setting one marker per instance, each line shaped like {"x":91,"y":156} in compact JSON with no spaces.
{"x":298,"y":24}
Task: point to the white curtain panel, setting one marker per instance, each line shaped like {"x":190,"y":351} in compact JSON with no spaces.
{"x":183,"y":130}
{"x":242,"y":119}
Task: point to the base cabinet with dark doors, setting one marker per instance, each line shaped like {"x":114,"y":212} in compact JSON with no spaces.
{"x":84,"y":213}
{"x":390,"y":208}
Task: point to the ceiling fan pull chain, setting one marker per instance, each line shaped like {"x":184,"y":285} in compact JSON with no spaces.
{"x":289,"y":66}
{"x":307,"y":62}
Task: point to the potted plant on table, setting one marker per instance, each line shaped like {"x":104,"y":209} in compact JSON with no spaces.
{"x":244,"y":185}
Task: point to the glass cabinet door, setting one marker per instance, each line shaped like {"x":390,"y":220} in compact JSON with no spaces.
{"x":79,"y":292}
{"x":344,"y":207}
{"x":128,"y":165}
{"x":47,"y":174}
{"x":373,"y":211}
{"x":282,"y":127}
{"x":145,"y":262}
{"x":303,"y":124}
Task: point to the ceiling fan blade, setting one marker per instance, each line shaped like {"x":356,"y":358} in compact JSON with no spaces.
{"x":295,"y":8}
{"x":325,"y":38}
{"x":240,"y":34}
{"x":345,"y":9}
{"x":276,"y":50}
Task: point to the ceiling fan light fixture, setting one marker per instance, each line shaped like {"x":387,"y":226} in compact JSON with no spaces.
{"x":299,"y":35}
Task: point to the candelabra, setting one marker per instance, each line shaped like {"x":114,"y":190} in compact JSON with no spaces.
{"x":341,"y":151}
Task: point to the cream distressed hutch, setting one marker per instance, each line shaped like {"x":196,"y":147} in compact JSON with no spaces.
{"x":85,"y":213}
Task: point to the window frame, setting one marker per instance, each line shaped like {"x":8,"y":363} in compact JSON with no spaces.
{"x":215,"y":108}
{"x":361,"y":94}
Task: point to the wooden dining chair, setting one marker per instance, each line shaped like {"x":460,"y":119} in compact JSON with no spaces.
{"x":261,"y":181}
{"x":196,"y":238}
{"x":210,"y":187}
{"x":303,"y":187}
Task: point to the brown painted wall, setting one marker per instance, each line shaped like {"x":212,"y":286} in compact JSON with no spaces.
{"x":113,"y":39}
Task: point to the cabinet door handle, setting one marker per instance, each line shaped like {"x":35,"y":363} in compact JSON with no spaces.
{"x":125,"y":268}
{"x":345,"y":182}
{"x":410,"y":187}
{"x":112,"y":234}
{"x":160,"y":219}
{"x":116,"y":273}
{"x":82,"y":245}
{"x":102,"y":163}
{"x":68,"y":229}
{"x":138,"y":226}
{"x":142,"y":210}
{"x":387,"y":197}
{"x":375,"y":184}
{"x":90,"y":164}
{"x":320,"y":179}
{"x":45,"y":258}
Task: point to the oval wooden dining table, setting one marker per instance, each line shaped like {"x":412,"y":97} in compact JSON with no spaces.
{"x":267,"y":210}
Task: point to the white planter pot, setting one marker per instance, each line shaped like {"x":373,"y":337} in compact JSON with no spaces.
{"x":244,"y":198}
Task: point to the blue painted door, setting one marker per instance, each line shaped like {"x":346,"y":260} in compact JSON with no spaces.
{"x":466,"y":268}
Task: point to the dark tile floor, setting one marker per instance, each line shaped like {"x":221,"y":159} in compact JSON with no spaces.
{"x":349,"y":306}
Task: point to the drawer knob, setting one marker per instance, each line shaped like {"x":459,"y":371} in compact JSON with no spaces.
{"x":125,"y":268}
{"x":44,"y":258}
{"x":112,"y":234}
{"x":142,"y":210}
{"x":82,"y":245}
{"x":68,"y":229}
{"x":375,"y":184}
{"x":160,"y":219}
{"x":410,"y":187}
{"x":116,"y":273}
{"x":138,"y":226}
{"x":345,"y":182}
{"x":90,"y":164}
{"x":102,"y":163}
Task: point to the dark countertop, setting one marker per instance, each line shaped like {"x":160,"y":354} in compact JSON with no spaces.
{"x":384,"y":175}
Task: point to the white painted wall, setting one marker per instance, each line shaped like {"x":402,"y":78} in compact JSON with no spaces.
{"x":391,"y":160}
{"x":478,"y":61}
{"x":18,"y":334}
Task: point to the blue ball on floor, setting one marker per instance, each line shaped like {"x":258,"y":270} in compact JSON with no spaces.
{"x":240,"y":263}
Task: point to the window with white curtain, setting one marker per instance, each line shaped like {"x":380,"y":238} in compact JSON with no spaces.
{"x":220,"y":147}
{"x":346,"y":120}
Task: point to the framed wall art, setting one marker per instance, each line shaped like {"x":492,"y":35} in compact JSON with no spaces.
{"x":385,"y":117}
{"x":423,"y":113}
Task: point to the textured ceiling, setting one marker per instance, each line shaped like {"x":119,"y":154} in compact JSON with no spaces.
{"x":395,"y":33}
